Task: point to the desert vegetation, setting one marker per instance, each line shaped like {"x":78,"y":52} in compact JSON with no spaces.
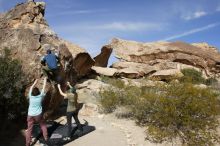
{"x":12,"y":100}
{"x":170,"y":112}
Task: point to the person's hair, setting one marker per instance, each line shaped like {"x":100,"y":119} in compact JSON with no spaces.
{"x":48,"y":51}
{"x":35,"y":91}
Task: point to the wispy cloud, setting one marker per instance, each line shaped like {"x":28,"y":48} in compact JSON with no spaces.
{"x":128,"y":26}
{"x":113,"y":26}
{"x":76,"y":12}
{"x":62,"y":5}
{"x":218,"y":9}
{"x":93,"y":35}
{"x":194,"y":15}
{"x":193,"y":31}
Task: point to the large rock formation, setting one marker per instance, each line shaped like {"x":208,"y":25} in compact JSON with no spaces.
{"x":168,"y":55}
{"x":133,"y":69}
{"x":126,"y":69}
{"x":102,"y":59}
{"x":24,"y":31}
{"x":110,"y":72}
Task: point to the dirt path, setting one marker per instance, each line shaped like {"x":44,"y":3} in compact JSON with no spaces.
{"x":111,"y":131}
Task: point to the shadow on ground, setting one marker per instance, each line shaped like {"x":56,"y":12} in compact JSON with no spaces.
{"x":57,"y":132}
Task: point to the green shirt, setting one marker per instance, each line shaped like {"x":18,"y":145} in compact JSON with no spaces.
{"x":72,"y":102}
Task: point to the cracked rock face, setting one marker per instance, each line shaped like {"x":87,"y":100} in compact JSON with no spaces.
{"x":169,"y":55}
{"x":24,"y":31}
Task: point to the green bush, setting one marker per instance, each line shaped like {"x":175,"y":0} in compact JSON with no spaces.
{"x":113,"y":81}
{"x":185,"y":112}
{"x":117,"y":95}
{"x":192,"y":75}
{"x":12,"y":100}
{"x":169,"y":112}
{"x":211,"y":81}
{"x":109,"y":100}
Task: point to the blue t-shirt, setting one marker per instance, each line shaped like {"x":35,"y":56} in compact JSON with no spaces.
{"x":35,"y":106}
{"x":51,"y":60}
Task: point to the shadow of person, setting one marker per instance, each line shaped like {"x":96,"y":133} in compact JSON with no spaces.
{"x":57,"y":132}
{"x":86,"y":128}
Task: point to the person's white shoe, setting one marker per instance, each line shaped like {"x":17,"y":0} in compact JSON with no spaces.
{"x":66,"y":138}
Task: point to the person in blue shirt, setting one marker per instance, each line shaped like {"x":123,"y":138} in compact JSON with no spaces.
{"x":35,"y":111}
{"x":50,"y":64}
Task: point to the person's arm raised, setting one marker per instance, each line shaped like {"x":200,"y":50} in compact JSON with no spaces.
{"x":44,"y":85}
{"x":68,"y":83}
{"x":71,"y":87}
{"x":30,"y":91}
{"x":61,"y":92}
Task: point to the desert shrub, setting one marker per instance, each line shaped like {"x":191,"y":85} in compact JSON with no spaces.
{"x":117,"y":95}
{"x":109,"y":100}
{"x":182,"y":111}
{"x":192,"y":75}
{"x":169,"y":112}
{"x":211,"y":81}
{"x":113,"y":81}
{"x":12,"y":101}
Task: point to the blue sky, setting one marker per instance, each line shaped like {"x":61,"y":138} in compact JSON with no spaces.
{"x":93,"y":23}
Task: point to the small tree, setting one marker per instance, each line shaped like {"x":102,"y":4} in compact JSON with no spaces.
{"x":12,"y":100}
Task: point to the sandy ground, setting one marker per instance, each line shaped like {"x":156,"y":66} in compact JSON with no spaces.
{"x":111,"y":131}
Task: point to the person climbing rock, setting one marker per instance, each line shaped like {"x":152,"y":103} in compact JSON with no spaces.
{"x":35,"y":111}
{"x":72,"y":109}
{"x":50,"y":63}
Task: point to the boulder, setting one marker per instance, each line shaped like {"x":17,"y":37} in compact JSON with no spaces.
{"x":104,"y":71}
{"x":102,"y":59}
{"x":201,"y":55}
{"x":25,"y":32}
{"x":205,"y":46}
{"x":125,"y":69}
{"x":132,"y":69}
{"x":92,"y":84}
{"x":167,"y":75}
{"x":88,"y":90}
{"x":139,"y":69}
{"x":131,"y":73}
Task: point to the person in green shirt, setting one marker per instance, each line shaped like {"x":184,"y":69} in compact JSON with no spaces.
{"x":72,"y":108}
